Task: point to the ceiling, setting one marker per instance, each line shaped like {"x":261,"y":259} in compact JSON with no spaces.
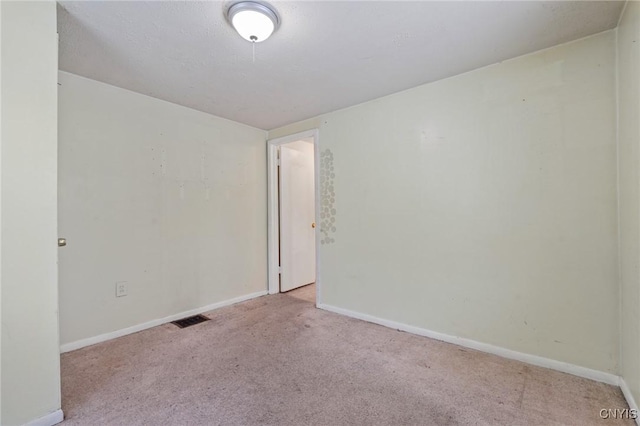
{"x":325,"y":56}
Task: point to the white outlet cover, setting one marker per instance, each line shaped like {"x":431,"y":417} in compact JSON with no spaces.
{"x":121,"y":288}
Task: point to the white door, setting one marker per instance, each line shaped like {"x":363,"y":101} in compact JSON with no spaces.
{"x":297,"y":215}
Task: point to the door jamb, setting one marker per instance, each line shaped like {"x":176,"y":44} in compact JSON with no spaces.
{"x":273,"y":219}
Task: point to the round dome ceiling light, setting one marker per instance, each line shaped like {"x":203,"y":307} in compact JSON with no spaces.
{"x":254,"y":21}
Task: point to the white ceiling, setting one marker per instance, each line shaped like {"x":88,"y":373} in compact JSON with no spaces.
{"x":326,"y":55}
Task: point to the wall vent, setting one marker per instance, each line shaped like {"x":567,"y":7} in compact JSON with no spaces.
{"x":189,"y":321}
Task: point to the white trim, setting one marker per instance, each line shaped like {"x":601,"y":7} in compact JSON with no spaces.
{"x":67,"y":347}
{"x":272,"y":206}
{"x":565,"y":367}
{"x":272,"y":220}
{"x":629,"y":397}
{"x":48,"y":420}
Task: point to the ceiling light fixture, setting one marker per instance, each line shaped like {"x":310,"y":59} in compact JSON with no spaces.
{"x":254,"y":21}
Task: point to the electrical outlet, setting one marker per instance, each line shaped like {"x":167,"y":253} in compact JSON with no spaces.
{"x":121,"y":288}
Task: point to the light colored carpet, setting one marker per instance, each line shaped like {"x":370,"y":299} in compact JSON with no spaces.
{"x":277,"y":360}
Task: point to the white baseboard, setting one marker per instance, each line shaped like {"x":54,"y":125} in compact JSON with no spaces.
{"x":564,"y":367}
{"x":67,"y":347}
{"x":629,"y":397}
{"x":48,"y":420}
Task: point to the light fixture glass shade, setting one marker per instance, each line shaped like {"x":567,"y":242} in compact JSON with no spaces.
{"x":254,"y":21}
{"x":252,"y":26}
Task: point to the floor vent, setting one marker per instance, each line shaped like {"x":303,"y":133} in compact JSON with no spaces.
{"x":189,"y":321}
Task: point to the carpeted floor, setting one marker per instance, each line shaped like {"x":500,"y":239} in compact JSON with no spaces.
{"x":277,"y":360}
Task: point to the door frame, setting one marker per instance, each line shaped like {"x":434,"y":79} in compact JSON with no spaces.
{"x":273,"y":211}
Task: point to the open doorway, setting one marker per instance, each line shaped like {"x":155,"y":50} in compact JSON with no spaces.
{"x":293,"y":211}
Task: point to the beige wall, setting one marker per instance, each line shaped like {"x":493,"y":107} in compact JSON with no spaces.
{"x":484,"y":205}
{"x":28,"y":277}
{"x":0,"y":211}
{"x":629,"y":162}
{"x":168,"y":199}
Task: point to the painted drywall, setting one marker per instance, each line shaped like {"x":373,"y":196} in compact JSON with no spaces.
{"x":628,"y":49}
{"x":319,"y":60}
{"x":0,"y":211}
{"x":305,"y":146}
{"x":28,"y":278}
{"x":168,"y":199}
{"x":484,"y":205}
